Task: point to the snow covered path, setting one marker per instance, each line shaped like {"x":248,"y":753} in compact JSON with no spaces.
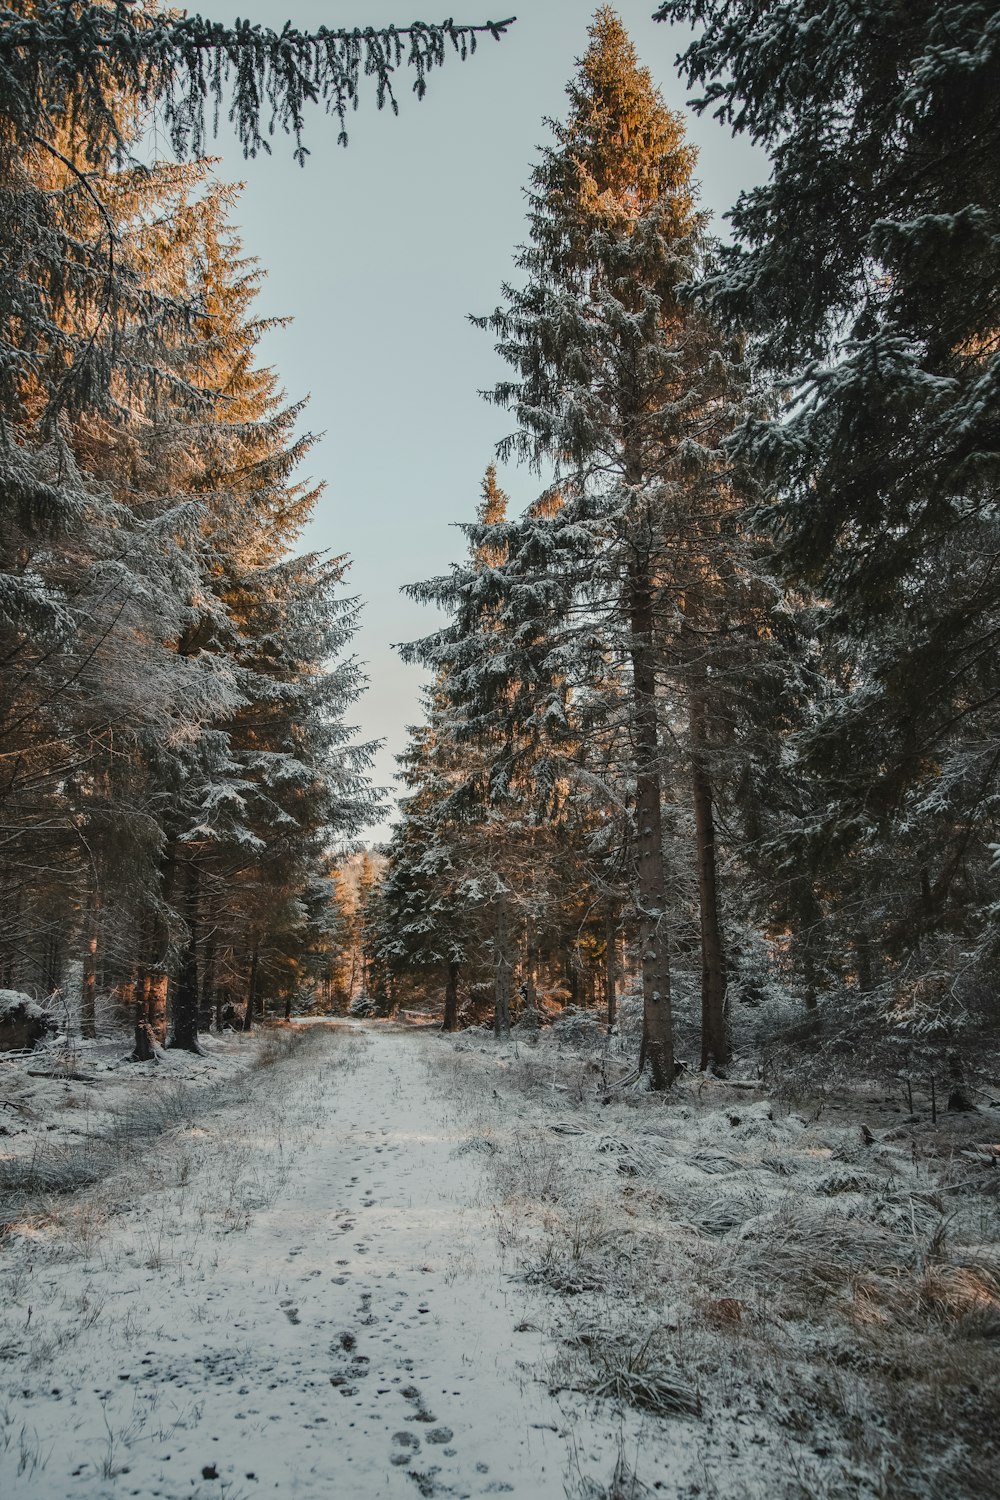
{"x":311,"y":1303}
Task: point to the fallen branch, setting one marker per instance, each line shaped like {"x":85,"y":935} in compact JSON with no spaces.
{"x":64,"y":1077}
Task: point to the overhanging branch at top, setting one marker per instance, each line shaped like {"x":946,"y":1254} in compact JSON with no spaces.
{"x":70,"y":59}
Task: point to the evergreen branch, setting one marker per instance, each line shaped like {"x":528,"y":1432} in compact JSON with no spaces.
{"x":85,"y":54}
{"x":75,"y":367}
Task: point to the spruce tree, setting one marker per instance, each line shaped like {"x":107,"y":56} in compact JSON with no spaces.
{"x":629,"y":391}
{"x":868,"y":272}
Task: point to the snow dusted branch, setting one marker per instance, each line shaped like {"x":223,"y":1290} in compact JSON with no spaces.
{"x":183,"y":64}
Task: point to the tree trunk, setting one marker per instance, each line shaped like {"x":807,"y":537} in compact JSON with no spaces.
{"x":657,"y":1052}
{"x":502,"y":969}
{"x":151,"y":1009}
{"x":610,"y":968}
{"x":531,"y":975}
{"x":223,"y":993}
{"x":451,"y":998}
{"x":144,"y":1041}
{"x":53,"y":963}
{"x":186,"y":996}
{"x":715,"y":1043}
{"x":157,"y":1003}
{"x":958,"y":1097}
{"x":88,"y":990}
{"x":251,"y":1004}
{"x":209,"y":1002}
{"x":151,"y":990}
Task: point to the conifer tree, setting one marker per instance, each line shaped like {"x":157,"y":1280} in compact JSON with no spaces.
{"x":868,"y":272}
{"x":629,"y":391}
{"x":166,"y":704}
{"x":426,"y":900}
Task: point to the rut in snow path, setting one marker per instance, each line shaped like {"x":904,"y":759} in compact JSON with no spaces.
{"x":311,"y":1303}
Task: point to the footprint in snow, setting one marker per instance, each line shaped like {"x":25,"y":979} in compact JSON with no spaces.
{"x":291,"y":1312}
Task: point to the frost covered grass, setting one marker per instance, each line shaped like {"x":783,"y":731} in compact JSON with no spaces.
{"x":111,"y":1231}
{"x":75,"y":1119}
{"x":819,"y":1281}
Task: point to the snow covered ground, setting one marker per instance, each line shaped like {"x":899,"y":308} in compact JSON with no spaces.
{"x":296,"y":1292}
{"x":369,"y":1261}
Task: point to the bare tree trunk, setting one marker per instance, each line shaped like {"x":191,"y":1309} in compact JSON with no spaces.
{"x":610,"y":967}
{"x":502,"y":969}
{"x":715,"y":1043}
{"x":88,"y":990}
{"x":144,"y":1043}
{"x":151,"y":991}
{"x":157,"y":1004}
{"x":531,"y":975}
{"x":251,"y":1005}
{"x":657,"y":1052}
{"x":222,"y":992}
{"x":53,"y":963}
{"x":186,"y":997}
{"x":451,"y":998}
{"x":209,"y":1000}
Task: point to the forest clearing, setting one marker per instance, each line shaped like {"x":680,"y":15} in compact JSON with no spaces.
{"x":364,"y":1259}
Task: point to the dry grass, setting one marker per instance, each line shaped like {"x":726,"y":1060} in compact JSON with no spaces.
{"x":60,"y":1169}
{"x":838,"y":1289}
{"x":640,"y":1375}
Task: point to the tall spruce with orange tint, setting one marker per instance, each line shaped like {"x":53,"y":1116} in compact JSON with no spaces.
{"x":628,"y":390}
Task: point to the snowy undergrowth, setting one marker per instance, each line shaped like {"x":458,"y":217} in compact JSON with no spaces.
{"x":115,"y":1203}
{"x":814,"y":1291}
{"x":73,"y":1114}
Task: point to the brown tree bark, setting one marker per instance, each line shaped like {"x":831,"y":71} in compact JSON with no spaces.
{"x":451,"y":998}
{"x":503,"y":968}
{"x":716,"y":1048}
{"x":88,"y":990}
{"x":151,"y":991}
{"x":186,"y":996}
{"x":657,"y":1052}
{"x":159,"y":982}
{"x":251,"y":1005}
{"x":610,"y":967}
{"x":209,"y":1000}
{"x":144,"y":1046}
{"x":531,"y":975}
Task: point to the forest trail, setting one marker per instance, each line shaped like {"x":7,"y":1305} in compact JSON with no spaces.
{"x":315,"y":1307}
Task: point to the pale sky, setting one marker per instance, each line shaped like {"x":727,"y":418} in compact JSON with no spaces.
{"x":379,"y":253}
